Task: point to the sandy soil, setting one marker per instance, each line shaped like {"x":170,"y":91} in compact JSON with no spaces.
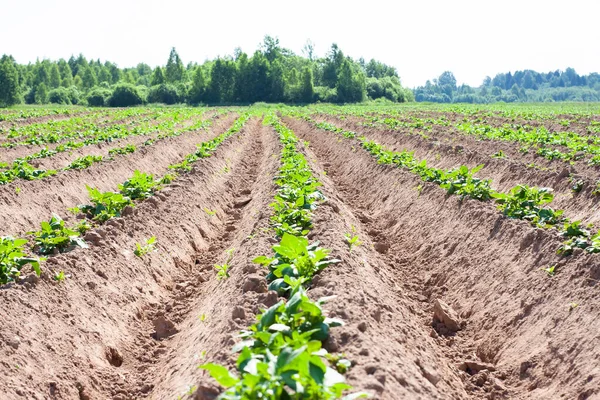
{"x":124,"y":327}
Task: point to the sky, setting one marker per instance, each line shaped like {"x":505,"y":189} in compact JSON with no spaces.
{"x":422,"y":39}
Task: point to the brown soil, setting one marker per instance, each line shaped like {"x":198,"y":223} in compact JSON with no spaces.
{"x":125,"y":327}
{"x":37,"y":200}
{"x":539,"y":333}
{"x":10,"y":154}
{"x":443,"y":149}
{"x":62,"y":160}
{"x":7,"y":125}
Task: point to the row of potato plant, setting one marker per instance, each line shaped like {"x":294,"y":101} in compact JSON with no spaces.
{"x":521,"y":202}
{"x":54,"y":131}
{"x":281,"y":355}
{"x":21,"y":169}
{"x":55,"y":237}
{"x":538,"y":139}
{"x":13,"y":115}
{"x":95,"y":134}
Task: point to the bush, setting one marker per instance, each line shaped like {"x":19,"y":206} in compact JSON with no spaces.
{"x":326,"y":94}
{"x":99,"y":97}
{"x":125,"y":95}
{"x":143,"y":92}
{"x":164,"y":93}
{"x":74,"y":95}
{"x":374,"y":88}
{"x":59,"y":96}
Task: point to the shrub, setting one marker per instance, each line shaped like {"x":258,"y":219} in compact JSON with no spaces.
{"x":125,"y":95}
{"x":74,"y":95}
{"x":98,"y":97}
{"x":59,"y":96}
{"x":164,"y":93}
{"x":326,"y":94}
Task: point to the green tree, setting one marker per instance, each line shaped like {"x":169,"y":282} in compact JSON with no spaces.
{"x":351,"y":85}
{"x":158,"y":77}
{"x":88,"y":78}
{"x":9,"y":83}
{"x":175,"y":70}
{"x":42,"y":73}
{"x":104,"y":75}
{"x":41,"y":94}
{"x":197,"y":92}
{"x":125,"y":95}
{"x":271,"y":48}
{"x":66,"y":76}
{"x":222,"y":82}
{"x":243,"y":80}
{"x":277,"y":82}
{"x":308,"y":90}
{"x":333,"y":63}
{"x":54,"y":76}
{"x":258,"y":83}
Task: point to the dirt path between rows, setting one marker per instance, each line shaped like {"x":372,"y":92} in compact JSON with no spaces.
{"x":524,"y":335}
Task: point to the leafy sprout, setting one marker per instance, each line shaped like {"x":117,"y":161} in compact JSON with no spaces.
{"x":142,"y":250}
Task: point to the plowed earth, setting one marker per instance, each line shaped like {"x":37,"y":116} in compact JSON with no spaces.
{"x":127,"y":327}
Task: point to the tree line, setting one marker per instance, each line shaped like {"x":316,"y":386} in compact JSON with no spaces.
{"x":272,"y":74}
{"x":520,"y":86}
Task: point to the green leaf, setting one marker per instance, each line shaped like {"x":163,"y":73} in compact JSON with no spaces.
{"x":263,"y":260}
{"x":220,"y":374}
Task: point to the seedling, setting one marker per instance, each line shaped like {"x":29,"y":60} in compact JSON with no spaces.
{"x":352,"y":238}
{"x":551,"y":270}
{"x":55,"y":237}
{"x":105,"y":205}
{"x":499,"y":154}
{"x":142,"y":250}
{"x":59,"y":276}
{"x":210,"y":212}
{"x":139,"y":186}
{"x":202,"y":317}
{"x":17,"y":190}
{"x":222,"y":271}
{"x":13,"y":259}
{"x":82,"y":227}
{"x":577,"y":185}
{"x":341,"y":364}
{"x":84,"y":162}
{"x":419,"y":189}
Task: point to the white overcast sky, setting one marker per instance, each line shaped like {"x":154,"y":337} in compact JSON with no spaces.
{"x":420,"y":38}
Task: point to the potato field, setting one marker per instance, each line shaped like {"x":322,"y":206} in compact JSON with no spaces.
{"x":320,"y":252}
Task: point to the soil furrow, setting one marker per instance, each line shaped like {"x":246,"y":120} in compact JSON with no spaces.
{"x":7,"y":125}
{"x":505,"y":173}
{"x":107,"y":324}
{"x":220,"y":309}
{"x":528,"y":328}
{"x":11,"y":154}
{"x":34,"y":201}
{"x":62,"y":160}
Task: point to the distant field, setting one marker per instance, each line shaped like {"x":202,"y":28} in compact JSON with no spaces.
{"x":460,"y":243}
